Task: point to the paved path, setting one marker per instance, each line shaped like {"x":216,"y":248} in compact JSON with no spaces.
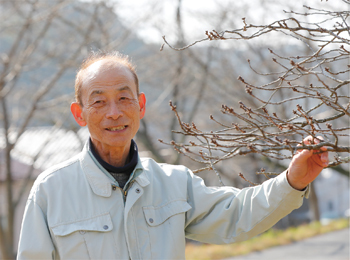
{"x":330,"y":246}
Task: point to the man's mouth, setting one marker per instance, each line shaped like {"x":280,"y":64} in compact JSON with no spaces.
{"x":117,"y":128}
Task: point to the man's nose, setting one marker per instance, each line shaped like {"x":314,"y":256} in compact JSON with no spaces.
{"x":114,"y":111}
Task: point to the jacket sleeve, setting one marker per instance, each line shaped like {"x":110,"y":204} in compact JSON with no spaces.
{"x":227,"y":215}
{"x":35,"y":239}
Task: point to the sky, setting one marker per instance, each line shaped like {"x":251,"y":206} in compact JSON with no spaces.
{"x":158,"y":17}
{"x":151,"y":19}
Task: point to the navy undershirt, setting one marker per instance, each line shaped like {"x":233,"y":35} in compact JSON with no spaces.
{"x":120,"y":174}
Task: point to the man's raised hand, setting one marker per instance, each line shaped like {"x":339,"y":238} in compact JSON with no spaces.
{"x":306,"y":165}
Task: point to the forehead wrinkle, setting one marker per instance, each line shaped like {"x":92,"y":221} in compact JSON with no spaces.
{"x":100,"y":92}
{"x":127,"y":88}
{"x":96,"y":92}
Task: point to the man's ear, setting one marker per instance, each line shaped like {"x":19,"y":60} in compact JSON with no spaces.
{"x":142,"y":104}
{"x":76,"y":110}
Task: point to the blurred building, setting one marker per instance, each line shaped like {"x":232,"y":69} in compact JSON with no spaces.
{"x":333,"y":194}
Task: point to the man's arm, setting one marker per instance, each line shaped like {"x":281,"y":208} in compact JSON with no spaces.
{"x":226,"y":215}
{"x":306,"y":165}
{"x":35,"y":239}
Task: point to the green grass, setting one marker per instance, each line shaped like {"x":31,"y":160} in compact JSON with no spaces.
{"x":268,"y":239}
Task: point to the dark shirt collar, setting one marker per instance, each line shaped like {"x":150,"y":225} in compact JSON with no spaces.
{"x":128,"y":168}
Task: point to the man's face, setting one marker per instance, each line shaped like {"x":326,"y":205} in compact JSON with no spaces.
{"x":111,"y":107}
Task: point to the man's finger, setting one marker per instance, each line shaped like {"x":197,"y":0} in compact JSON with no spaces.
{"x":318,"y":139}
{"x":324,"y":158}
{"x":309,"y":139}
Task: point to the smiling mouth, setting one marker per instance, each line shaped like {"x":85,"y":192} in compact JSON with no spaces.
{"x":118,"y":128}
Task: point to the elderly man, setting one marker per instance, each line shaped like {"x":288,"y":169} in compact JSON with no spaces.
{"x":107,"y":203}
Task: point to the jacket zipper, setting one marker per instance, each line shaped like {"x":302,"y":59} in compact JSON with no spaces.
{"x":125,"y":192}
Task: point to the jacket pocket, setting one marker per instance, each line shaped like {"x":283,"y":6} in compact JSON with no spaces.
{"x":166,"y":229}
{"x":157,"y":215}
{"x":89,"y":238}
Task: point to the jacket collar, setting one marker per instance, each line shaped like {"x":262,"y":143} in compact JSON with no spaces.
{"x":98,"y":179}
{"x":139,"y":174}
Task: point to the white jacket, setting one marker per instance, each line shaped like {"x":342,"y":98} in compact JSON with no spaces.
{"x":76,"y":211}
